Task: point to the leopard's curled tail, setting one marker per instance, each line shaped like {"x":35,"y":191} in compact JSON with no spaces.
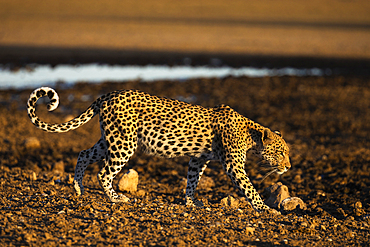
{"x":75,"y":123}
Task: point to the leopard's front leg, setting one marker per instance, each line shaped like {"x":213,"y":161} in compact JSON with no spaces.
{"x":235,"y":170}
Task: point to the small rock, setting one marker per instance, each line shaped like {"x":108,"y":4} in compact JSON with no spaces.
{"x":297,"y":179}
{"x":230,"y":202}
{"x":358,"y":210}
{"x":313,"y":225}
{"x":206,"y":183}
{"x":341,"y":212}
{"x":59,"y":166}
{"x":292,"y":203}
{"x":366,"y":217}
{"x":32,"y":143}
{"x":33,"y":176}
{"x":140,"y":193}
{"x":249,"y":230}
{"x":319,"y":210}
{"x":129,"y":181}
{"x":277,"y":193}
{"x":350,"y":234}
{"x":304,"y":224}
{"x":358,"y":205}
{"x":69,"y":179}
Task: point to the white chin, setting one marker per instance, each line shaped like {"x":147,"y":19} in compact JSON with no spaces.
{"x":280,"y":172}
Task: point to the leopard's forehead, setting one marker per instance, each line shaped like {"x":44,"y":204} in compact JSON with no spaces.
{"x":279,"y":144}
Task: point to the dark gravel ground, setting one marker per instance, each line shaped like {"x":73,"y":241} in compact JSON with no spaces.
{"x":324,"y":119}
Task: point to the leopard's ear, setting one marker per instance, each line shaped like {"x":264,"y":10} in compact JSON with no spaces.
{"x":278,"y":133}
{"x":267,"y":136}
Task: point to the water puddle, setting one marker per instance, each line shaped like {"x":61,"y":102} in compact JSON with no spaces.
{"x":43,"y":75}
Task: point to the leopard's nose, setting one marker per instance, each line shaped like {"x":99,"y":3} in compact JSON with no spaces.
{"x":287,"y":164}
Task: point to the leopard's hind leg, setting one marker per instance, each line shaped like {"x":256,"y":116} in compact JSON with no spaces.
{"x":195,"y":172}
{"x":85,"y":158}
{"x":121,"y":140}
{"x":113,"y":165}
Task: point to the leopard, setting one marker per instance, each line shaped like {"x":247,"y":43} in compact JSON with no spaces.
{"x":168,"y":128}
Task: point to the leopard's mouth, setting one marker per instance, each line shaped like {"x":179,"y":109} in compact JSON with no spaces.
{"x":284,"y":167}
{"x":281,"y":171}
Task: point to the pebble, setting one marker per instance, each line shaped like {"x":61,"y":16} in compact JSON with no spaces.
{"x":358,"y":205}
{"x":69,"y":179}
{"x":304,"y":224}
{"x":249,"y":230}
{"x":277,"y":193}
{"x":32,"y":143}
{"x":206,"y":183}
{"x":129,"y":181}
{"x":292,"y":203}
{"x":141,"y":193}
{"x":366,"y":217}
{"x":59,"y":166}
{"x":33,"y":176}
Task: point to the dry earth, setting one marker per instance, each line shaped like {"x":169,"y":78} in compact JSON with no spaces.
{"x":325,"y":120}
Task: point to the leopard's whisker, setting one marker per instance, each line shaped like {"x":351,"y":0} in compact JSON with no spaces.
{"x":267,"y":166}
{"x":264,"y":163}
{"x":264,"y":169}
{"x":268,"y":174}
{"x":261,"y":162}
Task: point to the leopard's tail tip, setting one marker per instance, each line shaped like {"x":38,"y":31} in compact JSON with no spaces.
{"x":45,"y":91}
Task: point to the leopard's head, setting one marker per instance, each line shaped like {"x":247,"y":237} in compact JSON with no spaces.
{"x":275,"y":151}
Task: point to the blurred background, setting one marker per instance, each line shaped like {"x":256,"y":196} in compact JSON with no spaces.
{"x":319,"y":33}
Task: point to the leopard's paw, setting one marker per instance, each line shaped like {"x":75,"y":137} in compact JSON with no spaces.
{"x":193,"y":202}
{"x":266,"y":209}
{"x":78,"y":188}
{"x":272,"y":211}
{"x":120,"y":198}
